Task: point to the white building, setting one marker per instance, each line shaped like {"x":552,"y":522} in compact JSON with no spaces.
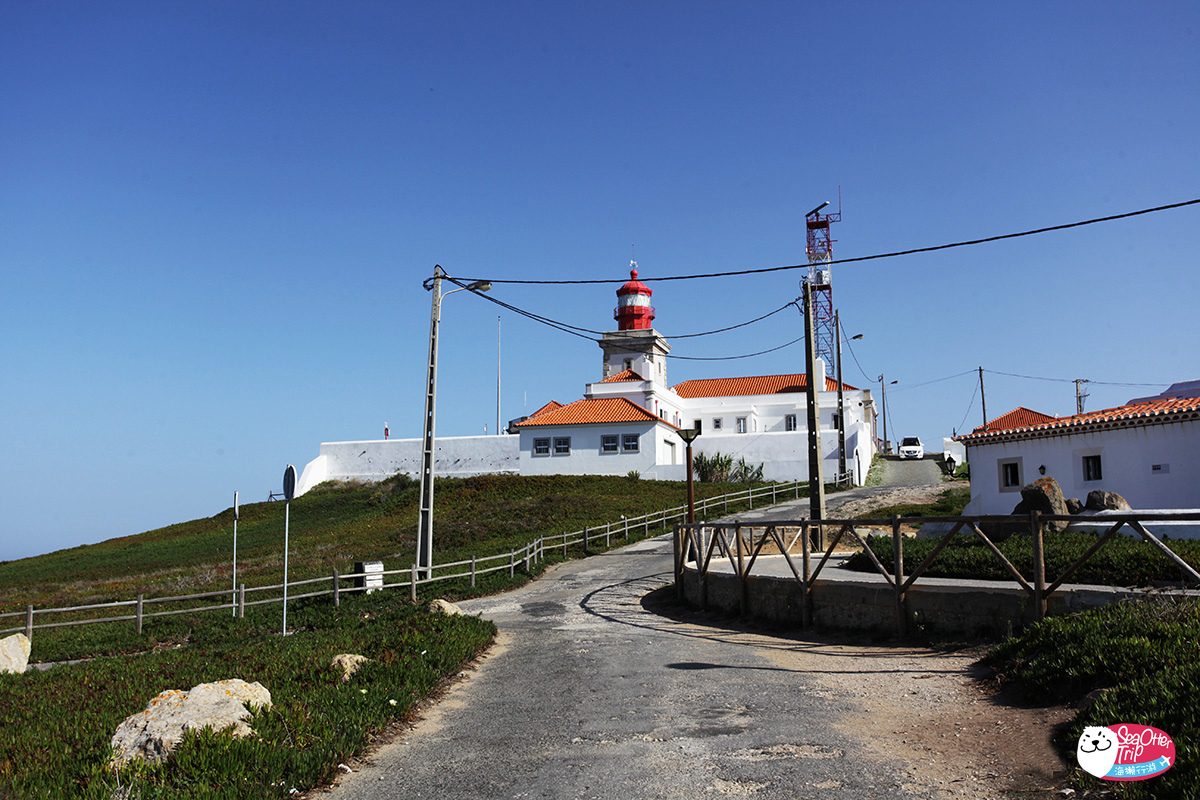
{"x":1148,"y":451}
{"x":628,"y":419}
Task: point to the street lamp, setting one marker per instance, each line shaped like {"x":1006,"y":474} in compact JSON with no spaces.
{"x":883,"y":400}
{"x":425,"y":523}
{"x":689,"y":435}
{"x":837,"y":330}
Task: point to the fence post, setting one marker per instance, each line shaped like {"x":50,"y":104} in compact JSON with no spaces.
{"x":29,"y":623}
{"x":412,"y":582}
{"x":774,"y":499}
{"x":241,"y":601}
{"x":741,"y":569}
{"x":138,"y":624}
{"x":1039,"y":566}
{"x":512,"y":563}
{"x":337,"y":598}
{"x":898,"y":568}
{"x":472,"y":572}
{"x":528,"y":549}
{"x":806,"y":566}
{"x":585,"y":541}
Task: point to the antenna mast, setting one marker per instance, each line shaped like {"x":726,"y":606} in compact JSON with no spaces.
{"x":820,"y":253}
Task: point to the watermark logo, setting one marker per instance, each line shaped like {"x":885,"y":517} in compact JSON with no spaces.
{"x":1125,"y":752}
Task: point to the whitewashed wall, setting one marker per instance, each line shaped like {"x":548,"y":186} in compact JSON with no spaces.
{"x":454,"y":457}
{"x":1128,"y":457}
{"x":586,"y":457}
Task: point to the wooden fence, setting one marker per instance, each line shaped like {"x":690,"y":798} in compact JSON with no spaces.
{"x":333,"y":585}
{"x":742,"y":544}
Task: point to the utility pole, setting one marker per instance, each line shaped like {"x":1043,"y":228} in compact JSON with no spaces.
{"x":816,"y":478}
{"x":425,"y":525}
{"x":982,"y":399}
{"x":837,"y":335}
{"x":1080,"y":395}
{"x":498,"y":431}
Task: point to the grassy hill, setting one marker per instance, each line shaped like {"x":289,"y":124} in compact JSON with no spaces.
{"x":333,"y":526}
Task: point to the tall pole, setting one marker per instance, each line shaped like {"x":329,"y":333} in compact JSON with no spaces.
{"x":816,"y":478}
{"x":425,"y":522}
{"x":691,"y":493}
{"x":498,"y":431}
{"x":235,"y":519}
{"x":1080,"y":395}
{"x":883,"y":402}
{"x":837,"y":335}
{"x":982,"y":398}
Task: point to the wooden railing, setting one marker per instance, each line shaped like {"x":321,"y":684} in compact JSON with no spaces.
{"x":333,"y":585}
{"x":742,"y":544}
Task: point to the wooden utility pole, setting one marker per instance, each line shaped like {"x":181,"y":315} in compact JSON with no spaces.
{"x":982,"y":399}
{"x":816,"y":478}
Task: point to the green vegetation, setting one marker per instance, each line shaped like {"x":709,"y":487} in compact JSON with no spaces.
{"x":1144,"y":656}
{"x":56,"y":728}
{"x":1123,"y":561}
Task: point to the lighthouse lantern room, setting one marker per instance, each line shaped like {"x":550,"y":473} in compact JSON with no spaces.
{"x":635,"y":345}
{"x":633,"y":311}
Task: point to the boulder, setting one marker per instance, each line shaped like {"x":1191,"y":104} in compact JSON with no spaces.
{"x":1074,"y":505}
{"x":152,"y":734}
{"x":14,"y":653}
{"x":348,"y":663}
{"x":1100,"y":500}
{"x":1042,"y":495}
{"x":441,"y":606}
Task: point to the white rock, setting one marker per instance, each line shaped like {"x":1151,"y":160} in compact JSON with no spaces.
{"x":349,"y":663}
{"x":14,"y":653}
{"x":152,"y":734}
{"x":441,"y":606}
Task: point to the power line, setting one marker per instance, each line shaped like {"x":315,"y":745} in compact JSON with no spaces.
{"x":935,"y":380}
{"x":1072,"y":380}
{"x":970,"y":405}
{"x":894,"y":254}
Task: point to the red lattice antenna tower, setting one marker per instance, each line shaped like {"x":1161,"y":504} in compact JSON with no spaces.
{"x":820,"y":253}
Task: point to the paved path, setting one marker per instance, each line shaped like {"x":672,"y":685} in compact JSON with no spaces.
{"x":590,"y":693}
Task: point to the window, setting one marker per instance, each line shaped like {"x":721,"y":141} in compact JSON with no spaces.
{"x":1091,"y":468}
{"x":1010,"y":474}
{"x":741,"y":424}
{"x":628,"y":363}
{"x":790,"y":422}
{"x":608,"y":443}
{"x":541,"y":447}
{"x":716,"y":423}
{"x":629,"y":442}
{"x":562,"y":445}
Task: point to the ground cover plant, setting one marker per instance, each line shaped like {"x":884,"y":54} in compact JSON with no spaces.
{"x":55,"y":732}
{"x":1143,"y":660}
{"x":1122,"y":561}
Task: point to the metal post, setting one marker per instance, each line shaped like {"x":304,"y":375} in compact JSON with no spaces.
{"x":337,"y":598}
{"x":585,"y":541}
{"x":982,"y":398}
{"x":841,"y":399}
{"x":412,"y":584}
{"x":472,"y":572}
{"x":512,"y":563}
{"x":29,"y":622}
{"x":241,"y":601}
{"x":138,"y":623}
{"x":233,"y":594}
{"x":287,"y":521}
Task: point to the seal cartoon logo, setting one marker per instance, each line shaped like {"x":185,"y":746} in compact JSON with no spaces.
{"x":1097,"y":751}
{"x":1125,"y":752}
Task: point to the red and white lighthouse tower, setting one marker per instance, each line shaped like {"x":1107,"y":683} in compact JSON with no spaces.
{"x":633,"y":311}
{"x":635,"y":345}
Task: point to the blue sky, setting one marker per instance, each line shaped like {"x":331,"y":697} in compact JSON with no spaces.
{"x":215,"y":218}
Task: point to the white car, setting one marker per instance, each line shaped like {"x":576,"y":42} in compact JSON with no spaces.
{"x":911,"y":447}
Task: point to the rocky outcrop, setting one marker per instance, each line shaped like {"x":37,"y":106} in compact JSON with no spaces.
{"x":348,"y":663}
{"x":1042,"y":495}
{"x":152,"y":734}
{"x":1100,"y":500}
{"x":1074,"y":505}
{"x":14,"y":653}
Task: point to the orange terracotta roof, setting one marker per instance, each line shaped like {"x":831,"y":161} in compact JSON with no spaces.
{"x":736,"y":387}
{"x":1020,"y":417}
{"x":593,"y":411}
{"x":624,"y":375}
{"x":553,"y":405}
{"x":1154,"y":412}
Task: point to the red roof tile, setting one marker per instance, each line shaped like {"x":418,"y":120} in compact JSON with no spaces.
{"x":624,"y":375}
{"x":1020,"y":417}
{"x":593,"y":411}
{"x":736,"y":387}
{"x":553,"y":405}
{"x":1154,"y":412}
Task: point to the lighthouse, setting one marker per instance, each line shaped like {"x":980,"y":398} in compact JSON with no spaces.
{"x":633,"y":311}
{"x":635,"y":346}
